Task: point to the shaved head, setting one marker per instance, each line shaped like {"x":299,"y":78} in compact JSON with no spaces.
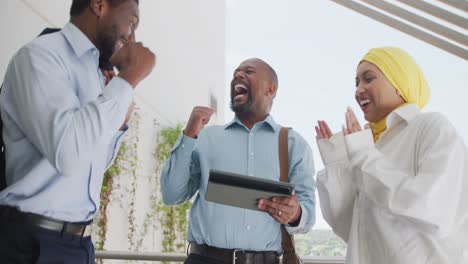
{"x":271,"y":71}
{"x":253,"y":89}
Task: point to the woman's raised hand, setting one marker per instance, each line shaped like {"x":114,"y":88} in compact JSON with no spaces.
{"x":322,"y":130}
{"x":352,"y":124}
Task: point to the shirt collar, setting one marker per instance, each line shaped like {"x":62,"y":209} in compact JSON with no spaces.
{"x":79,"y":42}
{"x":404,"y":113}
{"x":268,"y":122}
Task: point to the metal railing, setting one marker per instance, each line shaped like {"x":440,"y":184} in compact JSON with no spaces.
{"x":179,"y":257}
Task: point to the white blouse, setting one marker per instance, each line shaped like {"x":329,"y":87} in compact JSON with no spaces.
{"x":403,"y":200}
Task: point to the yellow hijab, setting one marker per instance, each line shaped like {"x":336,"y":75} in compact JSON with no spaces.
{"x":404,"y":74}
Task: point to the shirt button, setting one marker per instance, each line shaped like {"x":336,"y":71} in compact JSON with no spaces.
{"x":250,"y":174}
{"x":247,"y":227}
{"x":251,"y":153}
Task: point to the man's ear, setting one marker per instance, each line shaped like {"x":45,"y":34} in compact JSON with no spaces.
{"x":271,"y":90}
{"x":97,"y":7}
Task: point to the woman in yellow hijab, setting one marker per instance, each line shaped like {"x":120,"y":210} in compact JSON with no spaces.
{"x":397,"y":192}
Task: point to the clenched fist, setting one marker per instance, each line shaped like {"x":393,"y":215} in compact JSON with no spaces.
{"x":134,"y":62}
{"x":198,"y":119}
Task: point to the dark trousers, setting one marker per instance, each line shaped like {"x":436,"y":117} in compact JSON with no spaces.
{"x":196,"y":259}
{"x":20,"y":244}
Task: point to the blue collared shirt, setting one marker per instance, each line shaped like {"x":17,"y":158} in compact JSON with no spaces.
{"x":61,"y":126}
{"x":235,"y":148}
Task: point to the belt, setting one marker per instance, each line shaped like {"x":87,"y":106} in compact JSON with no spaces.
{"x":77,"y":229}
{"x":234,"y":255}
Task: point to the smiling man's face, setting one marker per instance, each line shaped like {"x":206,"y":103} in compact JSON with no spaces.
{"x":251,"y":88}
{"x":116,"y":27}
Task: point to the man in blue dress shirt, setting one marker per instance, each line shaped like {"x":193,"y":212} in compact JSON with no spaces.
{"x":62,"y":126}
{"x":247,"y":145}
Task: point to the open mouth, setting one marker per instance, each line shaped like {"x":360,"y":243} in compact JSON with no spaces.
{"x":241,"y":92}
{"x":364,"y":104}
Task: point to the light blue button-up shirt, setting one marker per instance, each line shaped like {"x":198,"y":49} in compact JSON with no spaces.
{"x":61,"y":126}
{"x":235,"y":148}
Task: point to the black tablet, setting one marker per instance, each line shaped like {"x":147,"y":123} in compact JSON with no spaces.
{"x":243,"y":191}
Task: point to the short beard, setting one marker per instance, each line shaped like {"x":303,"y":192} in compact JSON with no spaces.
{"x":243,"y":108}
{"x":107,"y":42}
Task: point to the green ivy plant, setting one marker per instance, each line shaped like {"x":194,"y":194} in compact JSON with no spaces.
{"x":132,"y":163}
{"x":106,"y":191}
{"x":173,"y":219}
{"x":125,"y":161}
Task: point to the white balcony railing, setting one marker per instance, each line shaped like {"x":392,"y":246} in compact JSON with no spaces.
{"x":178,"y":257}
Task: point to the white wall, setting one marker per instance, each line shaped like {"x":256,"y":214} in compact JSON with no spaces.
{"x":187,"y":36}
{"x":19,"y":24}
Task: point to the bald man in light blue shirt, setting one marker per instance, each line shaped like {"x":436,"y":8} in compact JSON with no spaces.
{"x":247,"y":145}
